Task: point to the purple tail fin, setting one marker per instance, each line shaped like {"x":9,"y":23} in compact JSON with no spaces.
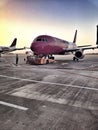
{"x":75,"y":37}
{"x":97,"y":36}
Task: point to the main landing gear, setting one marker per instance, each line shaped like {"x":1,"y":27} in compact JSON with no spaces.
{"x":75,"y":59}
{"x":50,"y":57}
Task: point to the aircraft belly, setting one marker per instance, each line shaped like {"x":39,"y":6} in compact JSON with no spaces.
{"x":52,"y":50}
{"x":48,"y":50}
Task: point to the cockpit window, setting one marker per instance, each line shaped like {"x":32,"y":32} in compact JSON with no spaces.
{"x":41,"y":39}
{"x":44,"y":39}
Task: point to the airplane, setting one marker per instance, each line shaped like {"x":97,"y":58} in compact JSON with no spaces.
{"x":47,"y":46}
{"x":12,"y":47}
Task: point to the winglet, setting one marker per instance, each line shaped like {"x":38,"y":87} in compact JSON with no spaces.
{"x":75,"y":37}
{"x":97,"y":36}
{"x":14,"y":43}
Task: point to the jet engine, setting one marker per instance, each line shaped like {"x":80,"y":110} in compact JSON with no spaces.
{"x":79,"y":54}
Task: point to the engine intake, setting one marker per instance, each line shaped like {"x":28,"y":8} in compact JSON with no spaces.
{"x":79,"y":54}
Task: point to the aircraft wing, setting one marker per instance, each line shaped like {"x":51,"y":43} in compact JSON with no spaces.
{"x":19,"y":48}
{"x":87,"y":48}
{"x":84,"y":48}
{"x":15,"y":49}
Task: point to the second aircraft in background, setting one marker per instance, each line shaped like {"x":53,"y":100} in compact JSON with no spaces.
{"x":12,"y":47}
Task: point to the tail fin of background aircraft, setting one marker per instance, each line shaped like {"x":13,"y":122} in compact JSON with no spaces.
{"x":97,"y":36}
{"x":75,"y":37}
{"x":14,"y":43}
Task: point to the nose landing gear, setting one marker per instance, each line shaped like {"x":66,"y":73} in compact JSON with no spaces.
{"x":40,"y":60}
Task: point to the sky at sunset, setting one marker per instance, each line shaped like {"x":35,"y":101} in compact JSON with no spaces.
{"x":26,"y":19}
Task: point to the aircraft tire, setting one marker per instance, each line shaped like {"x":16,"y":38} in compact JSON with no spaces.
{"x":52,"y":58}
{"x":75,"y":59}
{"x":47,"y":62}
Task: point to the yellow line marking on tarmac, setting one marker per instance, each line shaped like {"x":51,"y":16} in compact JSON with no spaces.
{"x":13,"y":105}
{"x":42,"y":82}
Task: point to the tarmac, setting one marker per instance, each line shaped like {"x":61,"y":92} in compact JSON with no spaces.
{"x":58,"y":96}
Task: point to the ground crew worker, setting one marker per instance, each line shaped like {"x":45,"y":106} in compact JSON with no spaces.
{"x":16,"y":59}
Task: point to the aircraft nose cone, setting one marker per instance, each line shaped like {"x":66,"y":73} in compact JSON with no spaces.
{"x":34,"y":46}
